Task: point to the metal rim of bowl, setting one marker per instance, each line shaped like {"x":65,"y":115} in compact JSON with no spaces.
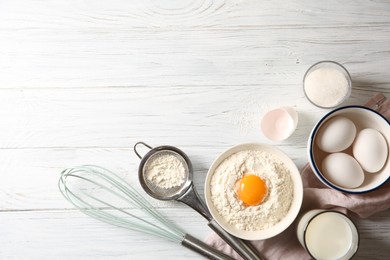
{"x":313,"y":164}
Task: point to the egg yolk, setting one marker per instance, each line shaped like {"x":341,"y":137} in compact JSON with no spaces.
{"x":251,"y":190}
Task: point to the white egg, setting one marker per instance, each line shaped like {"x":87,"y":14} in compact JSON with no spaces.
{"x":370,"y":150}
{"x":336,"y":134}
{"x":342,"y":170}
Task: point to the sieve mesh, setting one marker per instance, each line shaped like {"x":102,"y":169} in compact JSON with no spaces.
{"x":154,"y":186}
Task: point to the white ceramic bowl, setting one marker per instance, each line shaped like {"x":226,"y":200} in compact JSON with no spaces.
{"x":295,"y":205}
{"x":362,"y":117}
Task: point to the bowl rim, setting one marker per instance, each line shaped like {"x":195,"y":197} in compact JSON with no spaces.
{"x":295,"y":204}
{"x":311,"y":154}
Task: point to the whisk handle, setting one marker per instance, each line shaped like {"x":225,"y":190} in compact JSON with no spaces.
{"x":243,"y":248}
{"x":203,"y":249}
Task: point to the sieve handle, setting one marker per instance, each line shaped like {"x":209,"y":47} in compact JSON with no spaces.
{"x":135,"y":148}
{"x":243,"y":248}
{"x":203,"y":249}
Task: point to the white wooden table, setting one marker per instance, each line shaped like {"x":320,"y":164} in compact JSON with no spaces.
{"x":83,"y":81}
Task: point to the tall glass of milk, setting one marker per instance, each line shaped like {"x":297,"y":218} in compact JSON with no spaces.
{"x":328,"y":235}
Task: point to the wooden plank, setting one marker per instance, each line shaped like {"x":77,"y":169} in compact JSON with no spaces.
{"x":374,"y":237}
{"x":184,"y":116}
{"x":165,"y":14}
{"x":71,"y":235}
{"x":84,"y":58}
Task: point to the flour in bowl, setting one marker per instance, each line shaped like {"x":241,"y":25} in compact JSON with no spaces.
{"x":276,"y":203}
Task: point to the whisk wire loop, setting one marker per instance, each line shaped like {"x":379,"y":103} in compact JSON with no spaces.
{"x":106,"y":211}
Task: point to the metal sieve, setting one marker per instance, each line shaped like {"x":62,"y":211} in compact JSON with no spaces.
{"x":187,"y":194}
{"x":150,"y":186}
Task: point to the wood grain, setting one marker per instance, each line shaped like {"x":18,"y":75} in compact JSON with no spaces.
{"x":72,"y":235}
{"x":269,"y":57}
{"x":83,"y":81}
{"x":119,"y":117}
{"x":92,"y":43}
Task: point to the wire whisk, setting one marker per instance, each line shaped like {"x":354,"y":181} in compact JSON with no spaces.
{"x":103,"y":195}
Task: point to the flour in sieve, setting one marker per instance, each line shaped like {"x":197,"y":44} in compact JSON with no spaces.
{"x":268,"y":167}
{"x":166,"y":171}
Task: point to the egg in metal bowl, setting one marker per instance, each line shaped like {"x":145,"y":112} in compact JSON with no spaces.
{"x":262,"y":188}
{"x":348,"y":149}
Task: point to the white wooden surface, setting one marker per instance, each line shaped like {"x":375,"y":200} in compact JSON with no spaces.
{"x":82,"y":81}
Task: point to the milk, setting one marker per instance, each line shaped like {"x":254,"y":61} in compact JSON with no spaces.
{"x":328,"y":235}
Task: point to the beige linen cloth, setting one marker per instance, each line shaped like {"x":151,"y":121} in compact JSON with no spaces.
{"x":318,"y":196}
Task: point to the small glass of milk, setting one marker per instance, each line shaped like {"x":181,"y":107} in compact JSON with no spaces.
{"x":327,"y":84}
{"x":328,"y":235}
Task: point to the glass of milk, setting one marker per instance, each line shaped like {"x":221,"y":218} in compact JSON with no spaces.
{"x":328,"y":235}
{"x":327,"y":84}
